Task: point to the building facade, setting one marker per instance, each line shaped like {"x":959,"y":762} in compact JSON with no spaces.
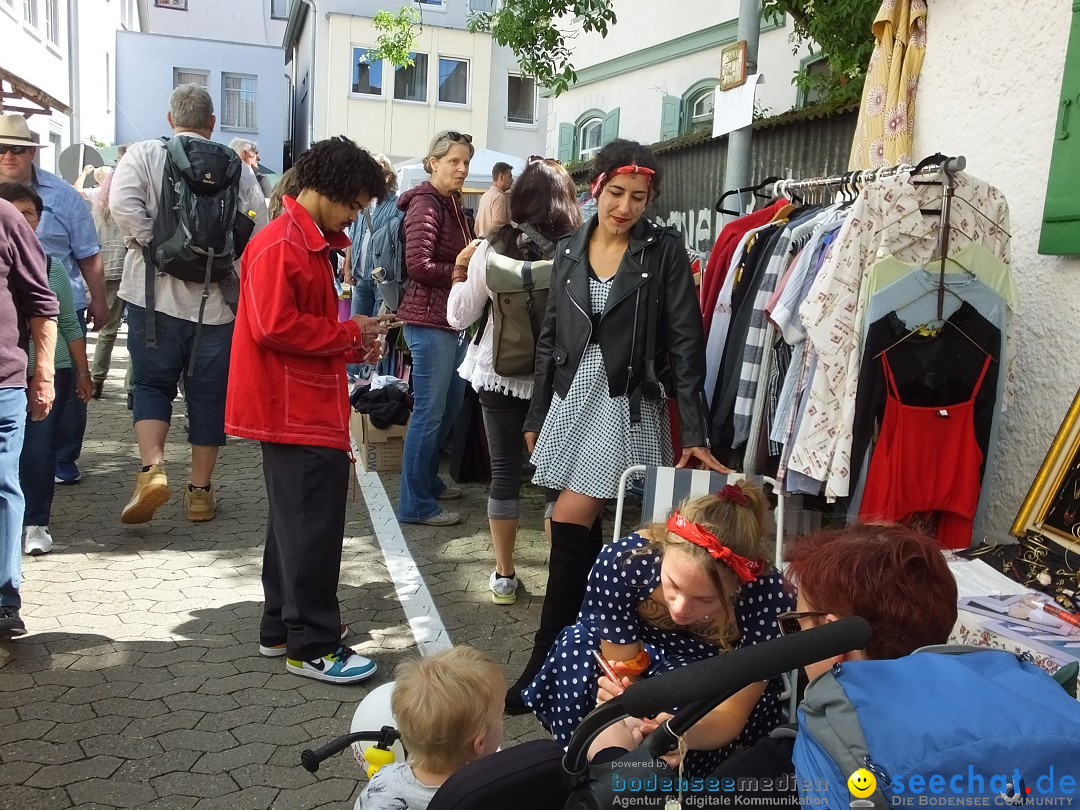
{"x":246,"y":81}
{"x":253,"y":22}
{"x":459,"y":81}
{"x":654,"y":76}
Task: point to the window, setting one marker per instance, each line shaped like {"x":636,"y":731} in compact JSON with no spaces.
{"x":238,"y":101}
{"x":453,"y":81}
{"x":184,"y":76}
{"x":30,"y":12}
{"x":367,"y":77}
{"x":108,"y":83}
{"x":52,"y":21}
{"x":589,"y":137}
{"x":431,"y":3}
{"x":279,"y":9}
{"x":177,"y":4}
{"x":701,"y":107}
{"x":520,"y":100}
{"x":410,"y":83}
{"x":54,"y":142}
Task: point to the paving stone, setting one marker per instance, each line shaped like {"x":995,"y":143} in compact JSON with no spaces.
{"x":169,"y":721}
{"x":15,"y":773}
{"x":57,"y":712}
{"x":164,"y":659}
{"x":200,"y":785}
{"x":52,"y":776}
{"x":275,"y":776}
{"x":44,"y":753}
{"x":68,"y":677}
{"x":20,"y":797}
{"x":25,"y":730}
{"x":113,"y":793}
{"x":236,"y":757}
{"x":321,"y":794}
{"x":90,"y":694}
{"x":201,"y":703}
{"x":85,"y":729}
{"x":304,"y":712}
{"x":253,"y":798}
{"x":232,"y":683}
{"x":192,"y":740}
{"x":278,"y":735}
{"x":143,"y":770}
{"x":121,"y":746}
{"x":226,"y":721}
{"x":264,"y":697}
{"x":162,"y":689}
{"x":129,"y":707}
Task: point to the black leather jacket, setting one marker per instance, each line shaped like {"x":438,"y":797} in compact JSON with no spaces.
{"x":655,"y":264}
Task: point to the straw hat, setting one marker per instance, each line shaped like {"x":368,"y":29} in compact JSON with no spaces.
{"x":15,"y":132}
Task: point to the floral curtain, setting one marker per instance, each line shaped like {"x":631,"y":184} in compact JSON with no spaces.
{"x":887,"y":114}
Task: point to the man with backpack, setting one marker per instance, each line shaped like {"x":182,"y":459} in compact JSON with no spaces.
{"x":186,"y":208}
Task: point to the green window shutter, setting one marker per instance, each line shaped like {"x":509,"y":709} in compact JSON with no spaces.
{"x":566,"y":142}
{"x":610,"y":130}
{"x":1061,"y":216}
{"x":670,"y":112}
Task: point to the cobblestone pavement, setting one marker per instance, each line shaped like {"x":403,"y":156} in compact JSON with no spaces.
{"x":140,"y":684}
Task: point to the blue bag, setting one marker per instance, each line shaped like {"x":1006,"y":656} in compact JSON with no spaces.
{"x":938,"y":728}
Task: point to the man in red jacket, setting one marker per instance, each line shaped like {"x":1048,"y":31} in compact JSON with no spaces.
{"x":289,"y":390}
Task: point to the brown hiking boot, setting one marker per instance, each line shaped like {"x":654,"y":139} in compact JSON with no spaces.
{"x":151,"y":491}
{"x":199,"y":504}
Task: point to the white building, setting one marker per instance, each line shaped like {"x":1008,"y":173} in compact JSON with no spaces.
{"x":255,"y":22}
{"x":247,"y":83}
{"x":654,"y":75}
{"x":460,"y":81}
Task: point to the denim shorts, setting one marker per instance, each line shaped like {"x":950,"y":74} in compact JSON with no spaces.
{"x":156,"y":373}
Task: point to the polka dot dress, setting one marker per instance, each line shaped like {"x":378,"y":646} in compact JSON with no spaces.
{"x":588,"y":440}
{"x":565,"y":689}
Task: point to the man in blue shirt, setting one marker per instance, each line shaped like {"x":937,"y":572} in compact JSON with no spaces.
{"x":67,"y":233}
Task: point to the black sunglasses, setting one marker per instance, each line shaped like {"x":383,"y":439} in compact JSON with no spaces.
{"x":463,"y":137}
{"x":788,"y":623}
{"x":15,"y":150}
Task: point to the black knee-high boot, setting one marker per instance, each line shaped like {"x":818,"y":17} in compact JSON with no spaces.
{"x":573,"y":552}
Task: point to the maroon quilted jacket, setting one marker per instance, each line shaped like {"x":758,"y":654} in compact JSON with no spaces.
{"x":436,"y":230}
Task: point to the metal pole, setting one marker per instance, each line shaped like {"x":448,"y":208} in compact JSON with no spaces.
{"x":737,"y":163}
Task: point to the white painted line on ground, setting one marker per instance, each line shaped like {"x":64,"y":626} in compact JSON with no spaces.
{"x":424,"y":619}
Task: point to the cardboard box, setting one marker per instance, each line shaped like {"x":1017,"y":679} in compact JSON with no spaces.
{"x":377,"y":450}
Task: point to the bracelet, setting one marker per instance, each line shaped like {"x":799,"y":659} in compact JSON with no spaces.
{"x":635,"y":666}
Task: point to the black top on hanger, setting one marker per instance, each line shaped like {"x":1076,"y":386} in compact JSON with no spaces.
{"x":768,"y":181}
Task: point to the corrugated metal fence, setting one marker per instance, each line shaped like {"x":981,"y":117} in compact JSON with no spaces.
{"x":694,"y":175}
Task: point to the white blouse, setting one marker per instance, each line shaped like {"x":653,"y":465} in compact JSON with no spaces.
{"x":465,"y":304}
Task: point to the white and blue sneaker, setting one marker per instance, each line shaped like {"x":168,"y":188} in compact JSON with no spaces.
{"x":341,"y":666}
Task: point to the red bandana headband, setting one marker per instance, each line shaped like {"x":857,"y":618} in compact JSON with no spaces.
{"x":604,"y":177}
{"x":747,"y":570}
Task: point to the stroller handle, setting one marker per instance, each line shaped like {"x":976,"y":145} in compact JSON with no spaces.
{"x":311,"y":759}
{"x":702,"y":686}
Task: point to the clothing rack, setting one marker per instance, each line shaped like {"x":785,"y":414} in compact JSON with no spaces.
{"x":849,"y":181}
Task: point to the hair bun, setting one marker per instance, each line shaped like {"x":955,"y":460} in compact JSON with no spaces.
{"x":733,"y":493}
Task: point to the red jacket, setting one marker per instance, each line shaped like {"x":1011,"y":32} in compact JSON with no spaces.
{"x":436,"y":231}
{"x":287,"y":381}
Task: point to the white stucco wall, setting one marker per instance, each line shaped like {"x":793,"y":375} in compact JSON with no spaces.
{"x":989,"y":90}
{"x":228,"y":20}
{"x":145,"y":65}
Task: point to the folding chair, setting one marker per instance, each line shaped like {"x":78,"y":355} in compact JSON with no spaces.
{"x":666,"y":487}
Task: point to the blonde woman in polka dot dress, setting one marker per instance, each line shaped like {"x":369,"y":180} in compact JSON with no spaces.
{"x":620,"y":288}
{"x":668,"y":596}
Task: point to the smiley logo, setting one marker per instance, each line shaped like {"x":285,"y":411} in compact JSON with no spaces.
{"x":862,"y":783}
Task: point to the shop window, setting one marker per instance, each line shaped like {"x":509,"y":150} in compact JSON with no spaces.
{"x":410,"y":83}
{"x":367,"y":77}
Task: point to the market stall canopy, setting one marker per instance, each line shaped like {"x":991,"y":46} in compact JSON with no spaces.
{"x":411,"y":172}
{"x":20,"y":96}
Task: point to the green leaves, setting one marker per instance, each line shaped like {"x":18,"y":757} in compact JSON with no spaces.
{"x":538,"y":32}
{"x":397,"y":36}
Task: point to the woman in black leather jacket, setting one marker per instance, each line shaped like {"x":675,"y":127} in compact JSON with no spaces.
{"x":622,"y":333}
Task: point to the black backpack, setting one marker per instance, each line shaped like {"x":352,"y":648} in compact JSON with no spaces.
{"x":197,"y":232}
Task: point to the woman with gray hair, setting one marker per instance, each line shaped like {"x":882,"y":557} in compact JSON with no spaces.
{"x":438,"y":239}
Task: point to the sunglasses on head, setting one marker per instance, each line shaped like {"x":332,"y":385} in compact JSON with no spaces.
{"x":461,"y":137}
{"x":15,"y":150}
{"x":788,"y":623}
{"x":541,"y":159}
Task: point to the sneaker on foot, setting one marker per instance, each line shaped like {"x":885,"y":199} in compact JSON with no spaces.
{"x":451,"y":493}
{"x":503,"y":589}
{"x":341,"y":666}
{"x":199,"y":504}
{"x":442,"y":519}
{"x":37,"y":540}
{"x":278,"y":650}
{"x":151,"y":491}
{"x":66,"y":472}
{"x":11,"y":625}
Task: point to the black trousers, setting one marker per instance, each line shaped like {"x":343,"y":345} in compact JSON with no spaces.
{"x":306,"y":488}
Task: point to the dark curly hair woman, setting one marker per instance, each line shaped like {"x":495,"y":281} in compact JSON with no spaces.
{"x":622,"y":333}
{"x":288,"y":390}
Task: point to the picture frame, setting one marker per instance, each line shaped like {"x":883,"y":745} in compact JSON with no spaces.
{"x":1052,"y":505}
{"x":733,"y":65}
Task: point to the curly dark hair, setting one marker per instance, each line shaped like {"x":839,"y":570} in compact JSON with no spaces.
{"x":340,"y":170}
{"x":621,"y":152}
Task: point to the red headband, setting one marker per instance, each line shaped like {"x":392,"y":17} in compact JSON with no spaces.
{"x":747,"y":570}
{"x":604,"y":177}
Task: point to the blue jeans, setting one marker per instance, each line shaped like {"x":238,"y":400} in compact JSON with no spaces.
{"x":366,"y":300}
{"x":437,"y":395}
{"x":12,"y":428}
{"x":36,"y":462}
{"x":71,"y":425}
{"x":157,"y":371}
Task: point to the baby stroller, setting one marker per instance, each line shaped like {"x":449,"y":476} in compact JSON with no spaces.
{"x":539,"y":775}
